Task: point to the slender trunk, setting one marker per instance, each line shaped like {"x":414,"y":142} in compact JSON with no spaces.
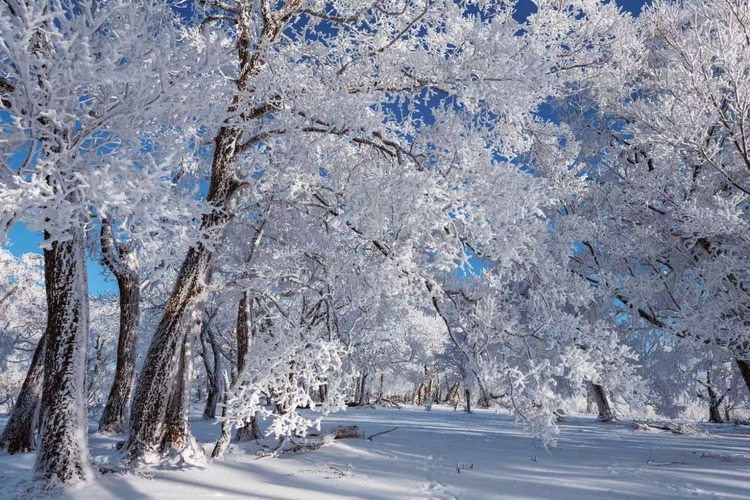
{"x":18,"y":435}
{"x":95,"y":368}
{"x":249,"y":430}
{"x":599,"y":395}
{"x":62,"y":456}
{"x":212,"y":363}
{"x":715,"y":401}
{"x":226,"y":428}
{"x":114,"y":417}
{"x":467,"y":394}
{"x":322,"y":389}
{"x":589,"y":401}
{"x":362,"y":393}
{"x":380,"y":391}
{"x":357,"y":387}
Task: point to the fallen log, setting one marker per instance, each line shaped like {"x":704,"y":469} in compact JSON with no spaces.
{"x":674,"y":428}
{"x":316,"y":441}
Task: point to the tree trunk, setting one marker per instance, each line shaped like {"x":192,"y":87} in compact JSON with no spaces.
{"x":452,"y":395}
{"x":322,"y":392}
{"x":212,"y":363}
{"x":62,"y":456}
{"x":599,"y":395}
{"x":357,"y":387}
{"x":363,"y":387}
{"x":467,"y":394}
{"x":114,"y":416}
{"x":484,"y":400}
{"x":715,"y":401}
{"x":154,"y":384}
{"x":589,"y":401}
{"x":178,"y":441}
{"x":250,"y":430}
{"x":744,"y":367}
{"x":226,"y":428}
{"x":727,"y":412}
{"x":157,"y":379}
{"x":18,"y":435}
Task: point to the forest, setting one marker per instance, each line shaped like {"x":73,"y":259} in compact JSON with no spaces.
{"x":475,"y":208}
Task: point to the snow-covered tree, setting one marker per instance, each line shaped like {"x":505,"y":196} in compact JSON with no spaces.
{"x":88,"y":87}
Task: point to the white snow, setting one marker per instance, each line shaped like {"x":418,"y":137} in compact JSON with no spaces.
{"x":444,"y":454}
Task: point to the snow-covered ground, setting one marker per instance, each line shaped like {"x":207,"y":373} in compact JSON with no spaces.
{"x":445,"y":454}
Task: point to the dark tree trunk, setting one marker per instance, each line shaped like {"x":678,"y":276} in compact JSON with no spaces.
{"x":452,"y":395}
{"x":18,"y":435}
{"x":157,"y":379}
{"x":484,"y":400}
{"x":249,"y":430}
{"x":467,"y":394}
{"x":363,"y":387}
{"x":357,"y":387}
{"x":744,"y":367}
{"x":212,"y":363}
{"x":62,"y":455}
{"x":715,"y":401}
{"x":322,"y":392}
{"x":599,"y":395}
{"x":727,"y":412}
{"x":154,"y":384}
{"x":125,"y":268}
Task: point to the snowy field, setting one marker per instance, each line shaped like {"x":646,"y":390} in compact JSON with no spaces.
{"x":445,"y":454}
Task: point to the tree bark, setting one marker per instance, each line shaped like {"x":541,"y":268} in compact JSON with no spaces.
{"x":178,"y":441}
{"x":357,"y":388}
{"x":452,"y":395}
{"x":599,"y":395}
{"x":363,"y":387}
{"x":467,"y":394}
{"x":744,"y":367}
{"x":154,"y":384}
{"x":18,"y":435}
{"x":715,"y":401}
{"x":226,"y":428}
{"x":250,"y":430}
{"x":157,"y":379}
{"x":214,"y":370}
{"x":125,"y":269}
{"x":148,"y":412}
{"x":62,"y":456}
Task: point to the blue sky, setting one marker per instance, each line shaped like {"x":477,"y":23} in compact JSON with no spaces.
{"x":21,"y":240}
